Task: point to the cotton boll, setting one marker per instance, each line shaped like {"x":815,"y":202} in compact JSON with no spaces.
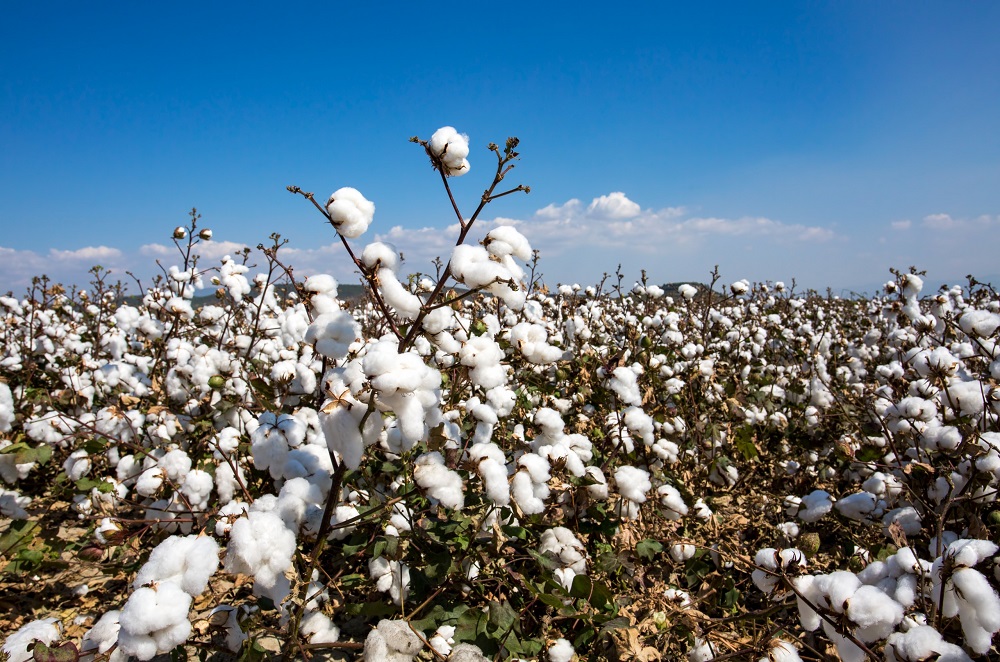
{"x":633,"y":483}
{"x":702,"y":651}
{"x":921,"y":643}
{"x":815,"y":505}
{"x":45,"y":630}
{"x":452,"y":148}
{"x":875,"y":613}
{"x":681,"y":552}
{"x":332,"y":333}
{"x":102,"y":636}
{"x":350,"y":213}
{"x":149,"y":481}
{"x":527,"y":494}
{"x":672,"y":502}
{"x":188,"y":562}
{"x":560,"y":543}
{"x":262,"y":546}
{"x":392,"y":577}
{"x":154,"y":620}
{"x":623,"y":383}
{"x":6,"y":408}
{"x":466,"y":653}
{"x":506,"y":240}
{"x":781,"y":651}
{"x":438,"y":480}
{"x":319,"y":628}
{"x":561,"y":651}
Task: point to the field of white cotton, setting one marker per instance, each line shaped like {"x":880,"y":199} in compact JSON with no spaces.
{"x":474,"y":466}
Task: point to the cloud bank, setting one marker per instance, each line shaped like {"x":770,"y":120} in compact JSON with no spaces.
{"x":578,"y":242}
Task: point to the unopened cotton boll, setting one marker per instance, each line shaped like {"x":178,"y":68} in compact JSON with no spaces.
{"x":452,"y":148}
{"x":350,"y":213}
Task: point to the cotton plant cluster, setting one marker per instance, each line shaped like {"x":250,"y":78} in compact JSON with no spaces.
{"x":473,"y":438}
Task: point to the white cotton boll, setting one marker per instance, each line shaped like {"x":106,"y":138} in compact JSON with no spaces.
{"x":187,"y":561}
{"x":532,"y":341}
{"x":390,"y":577}
{"x":527,"y":494}
{"x":975,"y":589}
{"x":491,"y":466}
{"x":45,"y":630}
{"x":907,"y":517}
{"x":701,"y":509}
{"x":154,"y":620}
{"x":921,"y":643}
{"x":979,"y":323}
{"x":439,"y":481}
{"x":815,"y":505}
{"x":672,"y":501}
{"x":597,"y":488}
{"x":875,"y":613}
{"x":381,"y":255}
{"x":971,"y":552}
{"x":623,"y":383}
{"x":6,"y":408}
{"x":633,"y":483}
{"x":681,"y":552}
{"x":149,"y":481}
{"x":703,"y":651}
{"x":350,"y":212}
{"x":781,"y":651}
{"x":333,"y":333}
{"x":102,"y":636}
{"x":506,"y":240}
{"x":260,"y":545}
{"x":319,"y":628}
{"x":856,"y":506}
{"x":321,"y":284}
{"x":560,"y":543}
{"x":561,"y":651}
{"x":687,"y":291}
{"x":406,"y":304}
{"x":452,"y":148}
{"x":197,"y":487}
{"x":77,"y":465}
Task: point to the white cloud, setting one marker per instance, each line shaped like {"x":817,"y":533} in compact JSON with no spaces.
{"x":902,"y":225}
{"x":613,"y":205}
{"x":90,"y":254}
{"x":947,"y":222}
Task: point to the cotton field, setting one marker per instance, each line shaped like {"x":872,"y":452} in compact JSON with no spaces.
{"x":473,"y":466}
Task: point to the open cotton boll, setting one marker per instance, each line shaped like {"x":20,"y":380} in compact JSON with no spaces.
{"x":875,"y":613}
{"x":439,"y":481}
{"x":350,"y":213}
{"x":406,"y":304}
{"x":6,"y":408}
{"x":102,"y":636}
{"x":260,"y":545}
{"x":815,"y":505}
{"x":154,"y":620}
{"x":920,"y":643}
{"x":506,"y":240}
{"x":560,"y":544}
{"x":491,"y":465}
{"x":452,"y":148}
{"x":561,"y":651}
{"x":623,"y":383}
{"x":186,"y":561}
{"x":633,"y":483}
{"x":702,"y":651}
{"x":321,"y":284}
{"x":319,"y":628}
{"x":390,"y":577}
{"x":484,"y":356}
{"x":333,"y":333}
{"x":532,"y":341}
{"x":781,"y":651}
{"x":45,"y":630}
{"x":467,"y":653}
{"x":380,"y":255}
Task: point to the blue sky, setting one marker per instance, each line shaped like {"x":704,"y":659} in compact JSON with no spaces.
{"x":820,"y":141}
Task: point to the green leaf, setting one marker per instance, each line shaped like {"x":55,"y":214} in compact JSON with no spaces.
{"x":502,"y":617}
{"x":648,"y":548}
{"x":596,"y":593}
{"x":744,"y":442}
